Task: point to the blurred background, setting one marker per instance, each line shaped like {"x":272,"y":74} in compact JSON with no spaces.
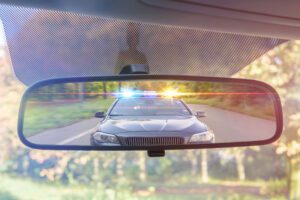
{"x":265,"y":172}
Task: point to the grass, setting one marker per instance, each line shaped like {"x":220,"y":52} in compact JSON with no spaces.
{"x":15,"y":188}
{"x":19,"y":188}
{"x":42,"y":117}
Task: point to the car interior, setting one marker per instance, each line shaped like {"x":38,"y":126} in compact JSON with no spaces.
{"x":150,"y":99}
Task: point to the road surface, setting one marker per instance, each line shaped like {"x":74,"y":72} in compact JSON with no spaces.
{"x":228,"y":126}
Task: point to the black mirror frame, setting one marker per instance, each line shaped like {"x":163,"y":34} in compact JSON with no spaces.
{"x":276,"y":101}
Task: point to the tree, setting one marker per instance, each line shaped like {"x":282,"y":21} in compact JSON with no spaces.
{"x":239,"y":159}
{"x":280,"y":68}
{"x":204,"y":166}
{"x":193,"y":158}
{"x":142,"y":166}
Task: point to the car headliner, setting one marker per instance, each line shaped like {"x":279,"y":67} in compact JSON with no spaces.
{"x":268,"y":18}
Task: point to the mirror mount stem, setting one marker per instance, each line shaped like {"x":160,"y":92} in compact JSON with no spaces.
{"x":135,"y":69}
{"x":156,"y":153}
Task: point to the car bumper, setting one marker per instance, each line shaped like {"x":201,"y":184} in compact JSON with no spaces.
{"x":150,"y":141}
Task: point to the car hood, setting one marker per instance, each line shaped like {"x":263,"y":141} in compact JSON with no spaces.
{"x":154,"y":124}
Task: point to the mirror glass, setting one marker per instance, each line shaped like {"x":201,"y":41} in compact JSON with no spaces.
{"x":148,"y":113}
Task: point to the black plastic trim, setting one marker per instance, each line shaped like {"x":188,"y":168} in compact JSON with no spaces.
{"x":233,"y":9}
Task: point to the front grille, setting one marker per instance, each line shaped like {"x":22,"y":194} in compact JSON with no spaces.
{"x":151,"y":141}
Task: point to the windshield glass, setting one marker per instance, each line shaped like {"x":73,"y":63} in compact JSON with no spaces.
{"x":67,"y":45}
{"x":149,"y":107}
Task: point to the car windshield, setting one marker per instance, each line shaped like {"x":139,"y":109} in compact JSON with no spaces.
{"x":41,"y":44}
{"x":149,"y":107}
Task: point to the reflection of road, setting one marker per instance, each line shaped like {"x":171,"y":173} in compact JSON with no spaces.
{"x":228,"y":127}
{"x":77,"y":134}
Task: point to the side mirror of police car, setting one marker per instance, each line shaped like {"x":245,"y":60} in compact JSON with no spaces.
{"x":99,"y":115}
{"x":200,"y":114}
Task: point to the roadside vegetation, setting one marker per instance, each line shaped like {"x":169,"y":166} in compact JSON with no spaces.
{"x":54,"y":115}
{"x":11,"y":185}
{"x":264,"y":112}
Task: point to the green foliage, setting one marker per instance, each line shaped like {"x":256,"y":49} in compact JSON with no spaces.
{"x":281,"y":67}
{"x":275,"y":187}
{"x":42,"y":117}
{"x":17,"y":188}
{"x":262,"y":111}
{"x":6,"y":196}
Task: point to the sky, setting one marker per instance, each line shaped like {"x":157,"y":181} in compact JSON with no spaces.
{"x":2,"y":41}
{"x":2,"y":35}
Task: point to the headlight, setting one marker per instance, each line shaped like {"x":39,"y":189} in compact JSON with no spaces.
{"x":105,"y":138}
{"x":206,"y":136}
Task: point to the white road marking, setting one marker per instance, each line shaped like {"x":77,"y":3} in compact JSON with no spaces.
{"x":77,"y":136}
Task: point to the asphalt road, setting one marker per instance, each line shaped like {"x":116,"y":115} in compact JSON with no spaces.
{"x":228,"y":126}
{"x":75,"y":134}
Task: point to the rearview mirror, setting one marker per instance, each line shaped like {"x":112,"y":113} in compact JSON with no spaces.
{"x":145,"y":112}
